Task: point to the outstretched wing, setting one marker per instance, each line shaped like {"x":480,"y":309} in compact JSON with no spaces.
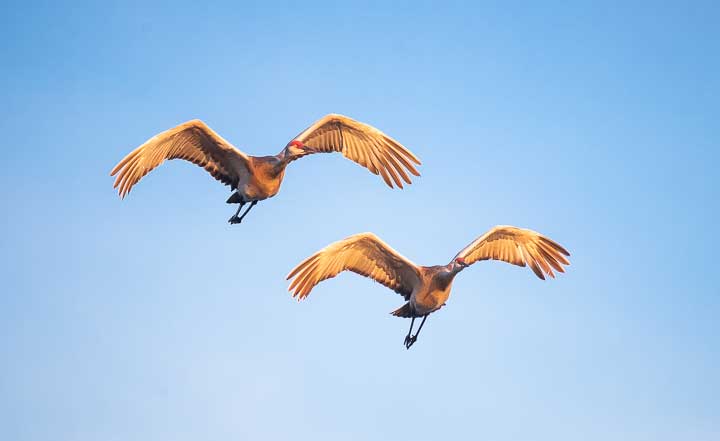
{"x":363,"y":144}
{"x":364,"y":254}
{"x":517,"y":246}
{"x":192,"y":141}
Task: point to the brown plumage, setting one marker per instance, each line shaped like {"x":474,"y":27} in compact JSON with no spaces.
{"x":425,"y":288}
{"x":258,"y":178}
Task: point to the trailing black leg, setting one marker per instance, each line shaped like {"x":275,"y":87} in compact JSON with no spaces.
{"x":235,"y":219}
{"x":413,"y":339}
{"x":407,"y":337}
{"x":252,"y":204}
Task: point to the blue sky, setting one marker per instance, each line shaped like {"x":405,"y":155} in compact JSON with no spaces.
{"x":152,"y":318}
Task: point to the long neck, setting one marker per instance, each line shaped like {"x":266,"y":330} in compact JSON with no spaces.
{"x":270,"y":166}
{"x":454,"y":268}
{"x":285,"y":157}
{"x":448,"y":272}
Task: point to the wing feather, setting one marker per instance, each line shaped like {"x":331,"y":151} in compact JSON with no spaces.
{"x":192,"y":141}
{"x":364,"y":254}
{"x":396,"y":167}
{"x":362,"y":144}
{"x":519,"y":247}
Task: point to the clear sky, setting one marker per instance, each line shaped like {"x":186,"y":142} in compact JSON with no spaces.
{"x":153,"y":319}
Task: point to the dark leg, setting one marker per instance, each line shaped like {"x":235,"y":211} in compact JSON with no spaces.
{"x":421,"y":325}
{"x":413,"y":339}
{"x":252,"y":204}
{"x":235,"y":219}
{"x":407,"y":337}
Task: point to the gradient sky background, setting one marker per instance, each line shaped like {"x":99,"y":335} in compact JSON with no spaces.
{"x":153,"y":319}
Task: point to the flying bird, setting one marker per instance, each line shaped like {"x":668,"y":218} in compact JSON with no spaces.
{"x":425,"y":288}
{"x":255,"y":178}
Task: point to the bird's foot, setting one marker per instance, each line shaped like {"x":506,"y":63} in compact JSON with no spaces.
{"x":410,"y":340}
{"x":235,"y":220}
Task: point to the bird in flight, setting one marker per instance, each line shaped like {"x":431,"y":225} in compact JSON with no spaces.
{"x":425,"y":288}
{"x":255,"y":178}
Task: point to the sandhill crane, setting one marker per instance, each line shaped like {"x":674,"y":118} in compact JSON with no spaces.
{"x":255,"y":178}
{"x":425,"y":288}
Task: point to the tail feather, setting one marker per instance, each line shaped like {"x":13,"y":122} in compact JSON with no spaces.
{"x":235,"y":198}
{"x":403,"y":311}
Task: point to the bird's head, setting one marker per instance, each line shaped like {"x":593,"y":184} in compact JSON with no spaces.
{"x":460,"y":262}
{"x":296,"y":148}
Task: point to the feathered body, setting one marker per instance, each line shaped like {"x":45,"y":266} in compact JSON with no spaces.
{"x":431,"y":294}
{"x":264,"y":180}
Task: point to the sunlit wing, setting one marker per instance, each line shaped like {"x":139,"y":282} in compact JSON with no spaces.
{"x":363,"y":144}
{"x":520,"y":247}
{"x":364,"y":254}
{"x":192,"y":141}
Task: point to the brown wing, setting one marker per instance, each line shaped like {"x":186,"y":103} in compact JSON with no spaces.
{"x":363,"y":144}
{"x":364,"y":254}
{"x":192,"y":141}
{"x":517,"y":246}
